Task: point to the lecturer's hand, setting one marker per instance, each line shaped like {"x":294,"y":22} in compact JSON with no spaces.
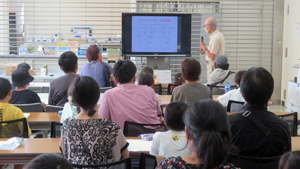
{"x":202,"y":45}
{"x":199,"y":51}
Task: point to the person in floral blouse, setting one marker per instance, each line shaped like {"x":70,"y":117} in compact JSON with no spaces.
{"x":209,"y":138}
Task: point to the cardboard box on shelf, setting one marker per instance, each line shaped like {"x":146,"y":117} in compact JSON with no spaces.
{"x":9,"y":68}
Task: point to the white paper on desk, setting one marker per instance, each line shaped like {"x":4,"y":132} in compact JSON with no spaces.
{"x":163,"y":76}
{"x":26,"y":115}
{"x":139,"y":145}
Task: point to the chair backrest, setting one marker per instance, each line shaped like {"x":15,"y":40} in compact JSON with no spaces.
{"x":170,"y":88}
{"x":36,"y":89}
{"x":147,"y":161}
{"x":103,"y":89}
{"x":234,"y":106}
{"x":45,"y":89}
{"x":132,"y":129}
{"x":292,"y":120}
{"x":158,"y":89}
{"x":14,"y":128}
{"x":32,"y":107}
{"x":246,"y":162}
{"x":56,"y":129}
{"x":50,"y":108}
{"x":122,"y":164}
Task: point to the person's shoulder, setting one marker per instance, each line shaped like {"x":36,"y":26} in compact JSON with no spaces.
{"x":237,"y":117}
{"x":13,"y":108}
{"x":108,"y":123}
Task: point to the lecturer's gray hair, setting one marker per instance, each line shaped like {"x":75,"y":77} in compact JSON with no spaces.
{"x":212,"y":23}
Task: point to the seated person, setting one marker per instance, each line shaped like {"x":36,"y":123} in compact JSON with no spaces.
{"x":178,"y":81}
{"x":94,"y":68}
{"x":289,"y":160}
{"x":49,"y":161}
{"x":257,"y":86}
{"x":69,"y":110}
{"x":192,"y":90}
{"x":129,"y":102}
{"x":59,"y":86}
{"x":24,"y":65}
{"x":88,"y":138}
{"x":21,"y":95}
{"x":146,"y":70}
{"x":147,"y":79}
{"x":221,"y":75}
{"x":209,"y":138}
{"x":172,"y":142}
{"x":234,"y":94}
{"x":7,"y":111}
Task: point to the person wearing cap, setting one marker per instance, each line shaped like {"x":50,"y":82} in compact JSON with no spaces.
{"x":21,"y":95}
{"x":216,"y":44}
{"x":221,"y":74}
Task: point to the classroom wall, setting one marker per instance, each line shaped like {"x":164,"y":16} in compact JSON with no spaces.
{"x":291,"y":41}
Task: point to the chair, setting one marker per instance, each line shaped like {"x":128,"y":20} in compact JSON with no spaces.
{"x":158,"y":89}
{"x":45,"y":89}
{"x":32,"y":107}
{"x":246,"y":162}
{"x":56,"y":129}
{"x":147,"y":161}
{"x":170,"y":88}
{"x":14,"y":128}
{"x":292,"y":120}
{"x":50,"y":108}
{"x":234,"y":106}
{"x":122,"y":164}
{"x":103,"y":89}
{"x":132,"y":129}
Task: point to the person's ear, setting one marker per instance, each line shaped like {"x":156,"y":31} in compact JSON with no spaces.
{"x":9,"y":93}
{"x":165,"y":123}
{"x":60,"y":68}
{"x":187,"y":134}
{"x":76,"y":67}
{"x":134,"y":79}
{"x":237,"y":86}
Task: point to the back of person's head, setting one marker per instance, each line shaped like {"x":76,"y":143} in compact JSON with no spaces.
{"x":145,"y":79}
{"x":190,"y":69}
{"x":257,"y":86}
{"x":85,"y":93}
{"x":21,"y":77}
{"x":5,"y":87}
{"x":174,"y":114}
{"x":206,"y":122}
{"x":68,"y":61}
{"x":23,"y":65}
{"x":238,"y":77}
{"x":178,"y":79}
{"x":221,"y":61}
{"x":289,"y":160}
{"x":124,"y":71}
{"x":92,"y":53}
{"x":49,"y":161}
{"x":147,"y":70}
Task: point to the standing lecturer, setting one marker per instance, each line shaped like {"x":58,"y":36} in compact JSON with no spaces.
{"x":216,"y":44}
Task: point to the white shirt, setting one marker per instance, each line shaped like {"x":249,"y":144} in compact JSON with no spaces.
{"x":170,"y":143}
{"x":234,"y":94}
{"x":216,"y":44}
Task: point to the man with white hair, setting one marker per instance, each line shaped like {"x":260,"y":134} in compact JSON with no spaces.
{"x":216,"y":44}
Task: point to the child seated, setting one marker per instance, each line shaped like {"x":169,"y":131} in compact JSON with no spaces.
{"x":7,"y":111}
{"x":147,"y":80}
{"x":21,"y":95}
{"x":172,"y":142}
{"x":289,"y":160}
{"x":178,"y":81}
{"x":234,"y":94}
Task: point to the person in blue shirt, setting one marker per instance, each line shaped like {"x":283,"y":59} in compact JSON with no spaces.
{"x":94,"y":68}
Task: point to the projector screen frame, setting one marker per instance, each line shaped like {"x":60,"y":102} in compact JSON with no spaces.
{"x":156,"y":54}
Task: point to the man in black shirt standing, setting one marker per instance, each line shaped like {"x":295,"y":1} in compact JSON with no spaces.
{"x":257,"y":86}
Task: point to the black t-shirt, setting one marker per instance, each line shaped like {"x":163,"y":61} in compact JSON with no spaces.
{"x":24,"y":97}
{"x":250,"y":141}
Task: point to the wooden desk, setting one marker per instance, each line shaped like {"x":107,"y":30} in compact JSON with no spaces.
{"x":166,"y":99}
{"x":31,"y":148}
{"x":43,"y":117}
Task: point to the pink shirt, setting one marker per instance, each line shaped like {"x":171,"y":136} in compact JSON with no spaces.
{"x":129,"y":102}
